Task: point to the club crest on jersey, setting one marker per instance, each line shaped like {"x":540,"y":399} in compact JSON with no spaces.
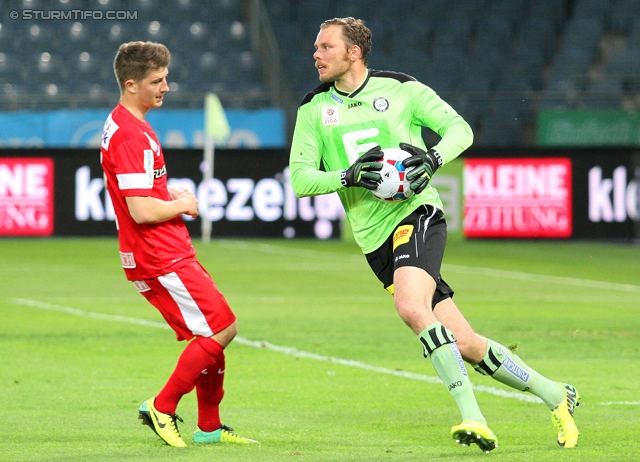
{"x":380,"y":104}
{"x":330,"y":115}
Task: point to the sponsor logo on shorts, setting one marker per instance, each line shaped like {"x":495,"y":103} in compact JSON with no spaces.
{"x":402,"y":235}
{"x":402,"y":257}
{"x":515,"y":370}
{"x":141,"y":286}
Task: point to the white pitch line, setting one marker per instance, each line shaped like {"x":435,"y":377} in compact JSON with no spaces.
{"x":290,"y":351}
{"x":476,"y":270}
{"x":620,"y":403}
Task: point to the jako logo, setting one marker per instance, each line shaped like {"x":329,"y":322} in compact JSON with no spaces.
{"x":613,"y":199}
{"x":454,"y":385}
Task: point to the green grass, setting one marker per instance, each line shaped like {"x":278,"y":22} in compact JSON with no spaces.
{"x":71,"y":381}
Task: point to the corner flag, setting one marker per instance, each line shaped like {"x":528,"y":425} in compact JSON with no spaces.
{"x":216,"y":131}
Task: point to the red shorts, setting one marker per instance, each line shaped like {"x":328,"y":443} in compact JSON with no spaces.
{"x":189,"y":301}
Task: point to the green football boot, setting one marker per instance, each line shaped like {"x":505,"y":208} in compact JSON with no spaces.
{"x":223,"y":434}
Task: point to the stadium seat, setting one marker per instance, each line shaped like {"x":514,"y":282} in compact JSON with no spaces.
{"x":555,"y":11}
{"x":623,"y":64}
{"x":527,"y":64}
{"x":108,"y":5}
{"x":621,"y":14}
{"x":595,"y":9}
{"x":12,"y":69}
{"x":193,"y":36}
{"x":36,"y":36}
{"x":494,"y":31}
{"x":45,"y":67}
{"x":453,"y":33}
{"x":232,"y":35}
{"x":114,"y":33}
{"x":571,"y":63}
{"x":66,"y":5}
{"x":537,"y":32}
{"x":8,"y":35}
{"x":560,"y":94}
{"x":603,"y":94}
{"x":501,"y":127}
{"x":512,"y":10}
{"x":633,"y":39}
{"x":583,"y":32}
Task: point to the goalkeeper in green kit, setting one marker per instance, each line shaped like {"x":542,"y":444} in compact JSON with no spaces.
{"x":343,"y":124}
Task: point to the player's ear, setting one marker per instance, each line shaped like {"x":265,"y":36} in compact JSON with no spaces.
{"x":130,"y":86}
{"x":355,"y":52}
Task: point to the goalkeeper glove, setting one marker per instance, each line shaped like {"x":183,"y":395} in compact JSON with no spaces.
{"x":364,"y":171}
{"x":425,"y":163}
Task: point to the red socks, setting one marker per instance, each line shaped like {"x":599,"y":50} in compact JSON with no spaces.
{"x":210,"y":392}
{"x":201,"y":354}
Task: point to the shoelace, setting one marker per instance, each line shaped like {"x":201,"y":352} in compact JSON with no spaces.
{"x":174,"y":423}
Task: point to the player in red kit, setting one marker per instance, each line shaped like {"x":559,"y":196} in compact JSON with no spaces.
{"x":156,"y":250}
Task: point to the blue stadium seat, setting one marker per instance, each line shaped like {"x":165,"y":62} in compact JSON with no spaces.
{"x":108,"y":5}
{"x":621,"y":14}
{"x":596,"y":9}
{"x":555,"y":11}
{"x":45,"y":67}
{"x":66,"y":5}
{"x":494,"y":31}
{"x":623,"y":64}
{"x":560,"y":94}
{"x":454,"y":32}
{"x":537,"y":32}
{"x":571,"y":63}
{"x":583,"y":32}
{"x":12,"y":69}
{"x":528,"y":64}
{"x":513,"y":10}
{"x":34,"y":36}
{"x":501,"y":127}
{"x":603,"y":94}
{"x":233,"y":35}
{"x":633,"y":39}
{"x":193,"y":36}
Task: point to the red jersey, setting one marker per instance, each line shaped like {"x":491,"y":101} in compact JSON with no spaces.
{"x":133,"y":165}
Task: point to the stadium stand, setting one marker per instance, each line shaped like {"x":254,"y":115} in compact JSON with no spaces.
{"x":497,"y":61}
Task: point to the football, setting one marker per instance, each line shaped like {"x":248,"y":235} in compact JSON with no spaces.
{"x":393,"y":186}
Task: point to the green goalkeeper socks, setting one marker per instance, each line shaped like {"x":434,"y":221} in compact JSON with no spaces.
{"x":506,"y":367}
{"x":439,"y":344}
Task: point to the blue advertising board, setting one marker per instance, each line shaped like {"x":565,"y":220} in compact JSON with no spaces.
{"x":176,"y":128}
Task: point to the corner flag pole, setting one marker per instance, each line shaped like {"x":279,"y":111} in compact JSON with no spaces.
{"x":216,"y":131}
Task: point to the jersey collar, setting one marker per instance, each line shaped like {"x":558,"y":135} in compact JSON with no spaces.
{"x":355,"y":92}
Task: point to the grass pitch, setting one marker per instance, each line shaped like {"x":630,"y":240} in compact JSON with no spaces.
{"x":324,"y":370}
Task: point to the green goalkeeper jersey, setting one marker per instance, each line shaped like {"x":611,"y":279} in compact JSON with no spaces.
{"x":334,"y":129}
